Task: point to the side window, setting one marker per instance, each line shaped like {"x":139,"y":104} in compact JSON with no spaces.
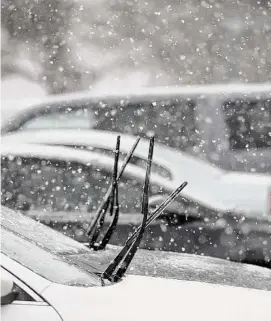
{"x":249,"y":123}
{"x":22,"y":295}
{"x":17,"y":287}
{"x":52,"y":186}
{"x":69,"y":119}
{"x":172,"y":121}
{"x":35,"y":184}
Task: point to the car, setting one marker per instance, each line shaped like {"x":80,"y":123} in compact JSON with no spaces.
{"x":227,"y":124}
{"x":249,"y":193}
{"x":48,"y":276}
{"x":62,"y":187}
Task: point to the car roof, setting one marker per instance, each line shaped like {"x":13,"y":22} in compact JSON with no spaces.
{"x":162,"y":92}
{"x":143,"y":94}
{"x":163,"y":154}
{"x":152,"y":263}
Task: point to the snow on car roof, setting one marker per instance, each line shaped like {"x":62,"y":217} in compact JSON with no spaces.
{"x":151,"y":93}
{"x":163,"y":155}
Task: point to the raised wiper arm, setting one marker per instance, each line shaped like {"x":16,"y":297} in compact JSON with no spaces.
{"x":158,"y":211}
{"x":110,"y":198}
{"x":126,"y":255}
{"x":113,"y":198}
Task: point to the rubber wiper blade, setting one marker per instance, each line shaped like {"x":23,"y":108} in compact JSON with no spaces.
{"x":127,"y":253}
{"x":111,"y":268}
{"x":114,"y":207}
{"x":110,"y":198}
{"x":158,"y":211}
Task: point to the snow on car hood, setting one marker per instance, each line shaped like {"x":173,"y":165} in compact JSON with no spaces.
{"x":139,"y":298}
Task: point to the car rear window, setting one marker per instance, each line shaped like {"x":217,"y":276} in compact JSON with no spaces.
{"x":172,"y":121}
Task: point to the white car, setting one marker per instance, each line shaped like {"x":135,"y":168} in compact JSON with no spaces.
{"x":62,"y":187}
{"x":47,"y":276}
{"x":229,"y":124}
{"x":98,"y":165}
{"x":249,"y":193}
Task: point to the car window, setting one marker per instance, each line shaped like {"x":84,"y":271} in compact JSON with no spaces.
{"x":52,"y":186}
{"x":36,"y":184}
{"x":172,"y":121}
{"x":249,"y":123}
{"x":22,"y":295}
{"x":66,"y":119}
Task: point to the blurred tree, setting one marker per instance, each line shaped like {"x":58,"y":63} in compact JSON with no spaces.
{"x":177,"y":42}
{"x":186,"y":42}
{"x":42,"y":30}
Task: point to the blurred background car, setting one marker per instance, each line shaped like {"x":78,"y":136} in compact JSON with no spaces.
{"x":62,"y":187}
{"x":227,"y":124}
{"x":248,"y":193}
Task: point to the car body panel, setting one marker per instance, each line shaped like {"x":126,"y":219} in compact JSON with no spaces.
{"x":145,"y":298}
{"x":213,"y":141}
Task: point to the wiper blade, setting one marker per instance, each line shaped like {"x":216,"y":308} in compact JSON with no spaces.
{"x":110,"y":198}
{"x":111,"y":268}
{"x":127,"y":253}
{"x":158,"y":211}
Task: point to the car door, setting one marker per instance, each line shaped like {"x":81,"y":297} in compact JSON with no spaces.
{"x":28,"y":305}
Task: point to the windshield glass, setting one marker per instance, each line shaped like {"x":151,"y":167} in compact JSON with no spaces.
{"x":194,"y":74}
{"x":43,"y":250}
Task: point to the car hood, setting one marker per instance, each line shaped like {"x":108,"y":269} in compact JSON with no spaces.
{"x":186,"y":267}
{"x":148,"y":298}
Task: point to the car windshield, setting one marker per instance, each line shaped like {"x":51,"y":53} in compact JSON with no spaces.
{"x":43,"y":250}
{"x":74,"y":264}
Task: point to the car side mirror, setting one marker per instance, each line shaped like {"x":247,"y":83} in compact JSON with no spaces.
{"x":7,"y":293}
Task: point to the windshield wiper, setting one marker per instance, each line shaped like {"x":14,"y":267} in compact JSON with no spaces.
{"x":110,"y":199}
{"x":124,"y":258}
